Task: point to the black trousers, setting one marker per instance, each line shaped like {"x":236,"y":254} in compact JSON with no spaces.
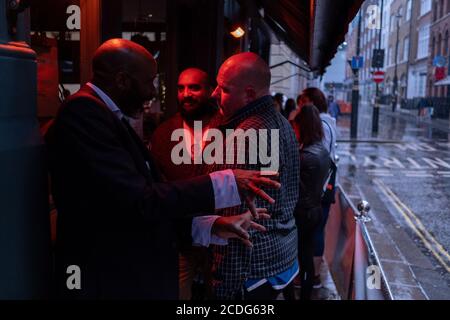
{"x":307,"y":220}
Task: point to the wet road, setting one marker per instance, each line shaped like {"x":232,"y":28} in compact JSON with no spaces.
{"x":404,"y":172}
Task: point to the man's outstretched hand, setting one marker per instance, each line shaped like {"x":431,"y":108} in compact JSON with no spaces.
{"x":249,"y":184}
{"x":235,"y":227}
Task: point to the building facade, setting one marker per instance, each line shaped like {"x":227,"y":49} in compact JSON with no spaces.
{"x":439,"y":48}
{"x":420,"y":40}
{"x":398,"y":50}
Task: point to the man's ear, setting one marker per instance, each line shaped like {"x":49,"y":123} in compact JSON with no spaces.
{"x":250,"y":94}
{"x":122,"y":81}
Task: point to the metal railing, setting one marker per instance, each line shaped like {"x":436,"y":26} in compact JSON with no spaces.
{"x":350,"y":253}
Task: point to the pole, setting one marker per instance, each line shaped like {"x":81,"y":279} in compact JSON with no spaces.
{"x":355,"y":90}
{"x":25,"y":267}
{"x":376,"y":109}
{"x":394,"y":103}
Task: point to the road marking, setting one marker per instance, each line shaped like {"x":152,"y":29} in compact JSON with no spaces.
{"x":381,"y":174}
{"x":416,"y":225}
{"x":418,"y":175}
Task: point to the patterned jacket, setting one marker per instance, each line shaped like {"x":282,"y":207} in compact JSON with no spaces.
{"x":273,"y":251}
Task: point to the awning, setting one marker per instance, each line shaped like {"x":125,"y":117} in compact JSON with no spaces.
{"x":312,"y":28}
{"x":443,"y":82}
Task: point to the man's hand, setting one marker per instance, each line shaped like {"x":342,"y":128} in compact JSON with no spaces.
{"x":249,"y":183}
{"x":235,"y":227}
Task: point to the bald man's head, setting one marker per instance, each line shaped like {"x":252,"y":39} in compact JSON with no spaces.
{"x":242,"y":79}
{"x":117,"y":55}
{"x":248,"y":69}
{"x":125,"y":71}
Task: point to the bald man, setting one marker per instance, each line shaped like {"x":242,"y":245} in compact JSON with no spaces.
{"x":261,"y":271}
{"x":195,"y":104}
{"x":115,"y":227}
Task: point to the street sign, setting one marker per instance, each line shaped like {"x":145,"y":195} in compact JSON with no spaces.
{"x":440,"y":73}
{"x":378,"y":58}
{"x":439,"y":61}
{"x":378,"y":76}
{"x":357,"y":62}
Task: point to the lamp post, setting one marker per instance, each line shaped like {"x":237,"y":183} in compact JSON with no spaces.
{"x":355,"y":90}
{"x":395,"y":89}
{"x":376,"y":109}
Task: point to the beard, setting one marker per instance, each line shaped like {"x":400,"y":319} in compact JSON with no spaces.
{"x":198,"y":109}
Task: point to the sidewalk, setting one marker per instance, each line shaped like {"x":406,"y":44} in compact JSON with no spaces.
{"x":412,"y":114}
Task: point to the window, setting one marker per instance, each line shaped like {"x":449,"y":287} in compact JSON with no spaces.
{"x":446,"y":44}
{"x":425,"y":6}
{"x":435,"y":14}
{"x":422,"y":84}
{"x":408,"y":10}
{"x":441,"y":5}
{"x":423,"y":43}
{"x":439,"y":45}
{"x":385,"y":21}
{"x":389,"y":59}
{"x":406,"y":49}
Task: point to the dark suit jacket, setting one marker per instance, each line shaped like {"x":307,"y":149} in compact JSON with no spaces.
{"x":115,"y":218}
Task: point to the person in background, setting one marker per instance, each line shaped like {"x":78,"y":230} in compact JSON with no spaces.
{"x":278,"y":101}
{"x":289,"y":107}
{"x":194,"y":93}
{"x":333,"y":107}
{"x":316,"y":97}
{"x":299,"y":102}
{"x":315,"y":166}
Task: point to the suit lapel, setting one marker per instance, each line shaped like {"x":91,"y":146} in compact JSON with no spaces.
{"x":134,"y":144}
{"x":148,"y":165}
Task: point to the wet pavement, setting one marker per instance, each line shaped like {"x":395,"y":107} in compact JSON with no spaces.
{"x":404,"y":172}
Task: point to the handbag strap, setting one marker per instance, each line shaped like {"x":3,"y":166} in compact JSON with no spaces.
{"x":331,"y":134}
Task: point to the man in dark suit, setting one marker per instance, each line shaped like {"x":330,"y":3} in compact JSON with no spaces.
{"x":115,"y":233}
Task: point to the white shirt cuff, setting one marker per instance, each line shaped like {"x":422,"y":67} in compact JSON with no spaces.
{"x":201,"y":232}
{"x":226,"y":192}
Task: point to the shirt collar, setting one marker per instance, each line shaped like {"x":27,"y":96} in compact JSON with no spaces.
{"x":258,"y":105}
{"x":107,"y":100}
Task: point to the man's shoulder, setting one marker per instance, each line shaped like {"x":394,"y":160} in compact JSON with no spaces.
{"x":258,"y":120}
{"x":82,"y":102}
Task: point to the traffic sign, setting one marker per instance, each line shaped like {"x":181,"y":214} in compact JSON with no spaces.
{"x":439,"y":61}
{"x":378,"y":58}
{"x":357,"y":62}
{"x":378,"y":76}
